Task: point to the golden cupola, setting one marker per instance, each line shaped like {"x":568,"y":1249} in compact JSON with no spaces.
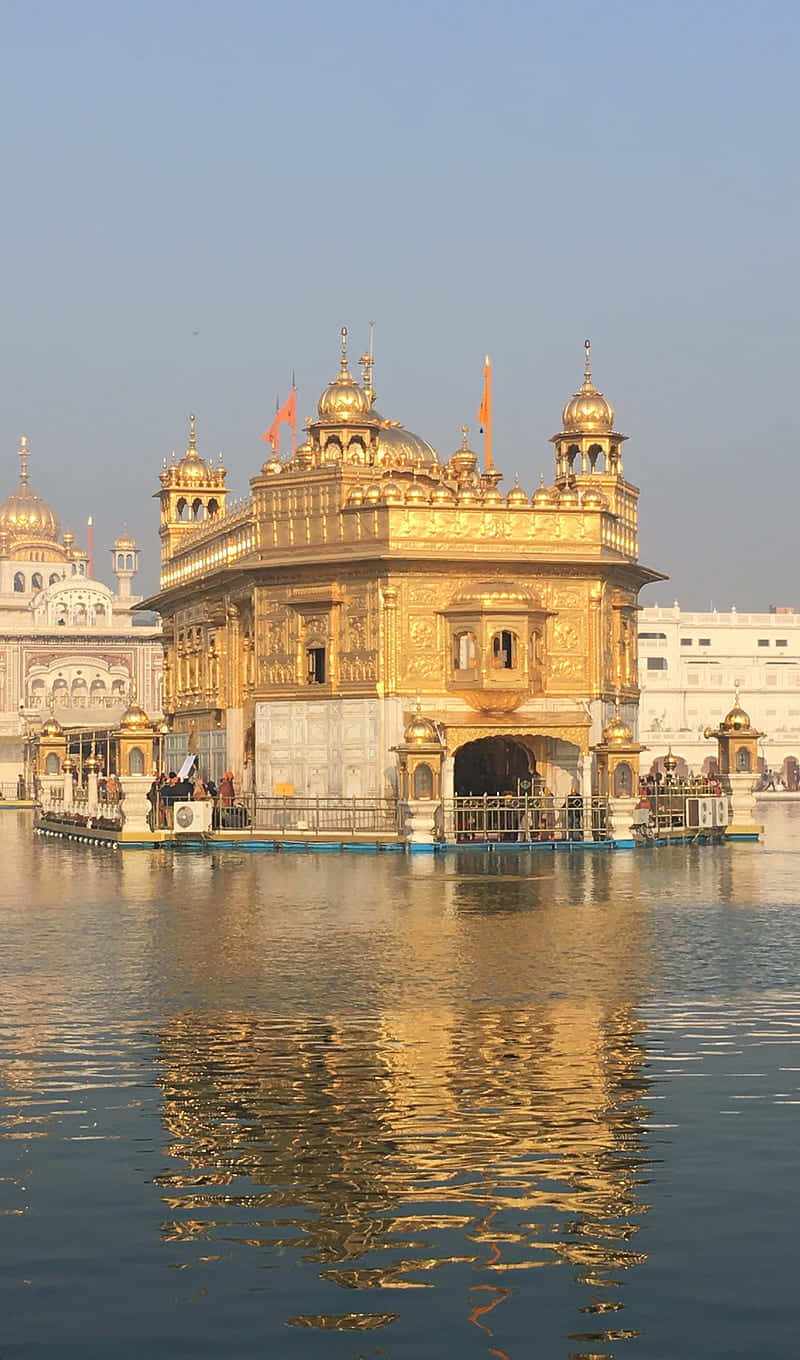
{"x":192,"y":468}
{"x":617,"y":732}
{"x":588,"y":411}
{"x":24,"y":515}
{"x":344,"y":399}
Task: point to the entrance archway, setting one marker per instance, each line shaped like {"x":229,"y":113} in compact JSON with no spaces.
{"x":494,"y":765}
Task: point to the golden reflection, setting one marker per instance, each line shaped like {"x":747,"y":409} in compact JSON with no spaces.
{"x":495,"y":1141}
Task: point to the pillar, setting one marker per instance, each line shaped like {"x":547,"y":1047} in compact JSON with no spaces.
{"x":135,"y":808}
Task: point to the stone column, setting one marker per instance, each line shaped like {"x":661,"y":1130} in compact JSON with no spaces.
{"x":69,"y":789}
{"x":586,"y":776}
{"x":135,"y":807}
{"x":740,"y":789}
{"x":620,"y":817}
{"x":448,"y":794}
{"x":419,"y":822}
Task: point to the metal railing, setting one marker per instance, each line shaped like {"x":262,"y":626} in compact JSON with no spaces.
{"x":536,"y":817}
{"x":16,"y":790}
{"x":293,"y":815}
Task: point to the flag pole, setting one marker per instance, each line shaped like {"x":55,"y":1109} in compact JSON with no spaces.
{"x":294,"y":416}
{"x":488,"y":372}
{"x":90,"y":545}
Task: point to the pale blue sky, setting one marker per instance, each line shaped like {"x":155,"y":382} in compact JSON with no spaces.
{"x":198,"y":195}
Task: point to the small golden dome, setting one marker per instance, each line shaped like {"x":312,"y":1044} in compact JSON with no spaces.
{"x":400,"y":448}
{"x":25,"y":515}
{"x":468,"y":495}
{"x":373,"y":494}
{"x":419,"y":731}
{"x":192,"y":469}
{"x":134,"y":719}
{"x":670,"y":762}
{"x":545,"y":495}
{"x":588,"y":411}
{"x":593,"y":499}
{"x":495,"y":595}
{"x":392,"y":493}
{"x":492,"y":496}
{"x":272,"y":466}
{"x":617,"y":732}
{"x":569,"y":496}
{"x":51,"y":728}
{"x":516,"y":495}
{"x":68,"y":764}
{"x":417,"y":495}
{"x":91,"y":764}
{"x":463,"y":462}
{"x":344,"y":398}
{"x":442,"y":495}
{"x":124,"y":542}
{"x":356,"y":496}
{"x":736,"y":720}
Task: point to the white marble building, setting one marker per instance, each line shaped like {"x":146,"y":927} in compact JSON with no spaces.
{"x":69,"y":644}
{"x":690,"y":665}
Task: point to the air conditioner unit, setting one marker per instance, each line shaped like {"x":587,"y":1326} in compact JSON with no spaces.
{"x":192,"y":817}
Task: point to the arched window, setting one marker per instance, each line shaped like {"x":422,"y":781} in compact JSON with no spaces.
{"x":60,"y":691}
{"x":120,"y":561}
{"x":80,"y":615}
{"x":595,"y":454}
{"x":182,"y":509}
{"x":623,"y":781}
{"x":61,"y":615}
{"x":573,"y":452}
{"x":99,"y":613}
{"x":82,"y":568}
{"x":504,"y":650}
{"x":129,"y":561}
{"x":464,"y":651}
{"x":213,"y":509}
{"x":198,"y":509}
{"x":19,"y":582}
{"x":136,"y":761}
{"x":54,"y":578}
{"x":51,"y":765}
{"x":36,"y":694}
{"x":743,"y":762}
{"x":423,"y":782}
{"x":97,"y":693}
{"x":36,"y":581}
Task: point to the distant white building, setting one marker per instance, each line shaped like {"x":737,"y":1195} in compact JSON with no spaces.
{"x":69,"y":645}
{"x":691,"y":664}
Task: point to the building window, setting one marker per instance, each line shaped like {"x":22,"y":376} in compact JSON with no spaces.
{"x":136,"y":761}
{"x":687,"y":642}
{"x":51,"y":765}
{"x":504,"y":650}
{"x":763,"y":642}
{"x":743,"y":760}
{"x":315,"y":666}
{"x":464,"y":651}
{"x":652,"y":637}
{"x":656,"y":663}
{"x":36,"y":581}
{"x":19,"y":582}
{"x":423,"y":782}
{"x":781,"y":642}
{"x":54,"y":577}
{"x":704,"y":642}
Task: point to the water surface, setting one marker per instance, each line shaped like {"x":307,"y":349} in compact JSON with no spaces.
{"x":326,"y":1105}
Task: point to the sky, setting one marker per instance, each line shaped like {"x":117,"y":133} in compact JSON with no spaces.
{"x":197,"y":196}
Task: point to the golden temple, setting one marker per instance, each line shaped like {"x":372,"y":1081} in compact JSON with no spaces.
{"x":365,"y":577}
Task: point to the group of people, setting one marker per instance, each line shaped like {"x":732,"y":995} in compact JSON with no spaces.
{"x":168,"y":789}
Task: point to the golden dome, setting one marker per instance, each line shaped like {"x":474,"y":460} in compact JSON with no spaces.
{"x":492,"y":496}
{"x":344,"y":398}
{"x":25,"y":515}
{"x":569,"y":496}
{"x":442,"y":495}
{"x":134,"y":719}
{"x":417,"y":495}
{"x":736,"y":720}
{"x":91,"y":764}
{"x":373,"y":494}
{"x":51,"y":728}
{"x":399,"y":448}
{"x":192,"y":469}
{"x":356,"y":496}
{"x":468,"y":495}
{"x":545,"y":495}
{"x":419,"y":731}
{"x":392,"y":493}
{"x":588,"y":411}
{"x":593,"y":499}
{"x":124,"y":541}
{"x":617,"y":732}
{"x":516,"y":495}
{"x":670,"y":762}
{"x":272,"y":466}
{"x":464,"y":462}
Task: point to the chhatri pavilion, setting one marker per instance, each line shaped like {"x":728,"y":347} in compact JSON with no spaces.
{"x":368,"y":589}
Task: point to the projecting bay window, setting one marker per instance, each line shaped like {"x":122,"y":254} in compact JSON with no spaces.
{"x":504,"y":650}
{"x":315,"y":666}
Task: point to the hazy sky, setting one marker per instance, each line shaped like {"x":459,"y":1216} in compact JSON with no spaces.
{"x":198,"y":195}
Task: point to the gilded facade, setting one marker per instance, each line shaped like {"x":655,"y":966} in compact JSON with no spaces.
{"x":365,"y":573}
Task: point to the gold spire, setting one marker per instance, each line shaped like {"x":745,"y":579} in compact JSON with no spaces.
{"x":192,"y":437}
{"x":367,"y":362}
{"x":344,"y":371}
{"x":23,"y":455}
{"x":588,"y":411}
{"x":587,"y":364}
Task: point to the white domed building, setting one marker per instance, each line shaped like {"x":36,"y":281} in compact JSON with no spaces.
{"x":70,"y":646}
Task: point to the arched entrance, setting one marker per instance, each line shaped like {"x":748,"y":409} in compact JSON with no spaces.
{"x":494,"y":765}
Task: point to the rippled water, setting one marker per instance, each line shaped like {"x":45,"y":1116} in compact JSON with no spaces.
{"x":366,"y":1106}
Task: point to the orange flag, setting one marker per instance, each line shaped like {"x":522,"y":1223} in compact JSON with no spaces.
{"x":485,"y":412}
{"x":287,"y":415}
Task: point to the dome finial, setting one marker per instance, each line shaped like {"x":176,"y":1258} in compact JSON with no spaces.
{"x":464,"y":433}
{"x":343,"y":365}
{"x":587,"y":363}
{"x":367,"y":362}
{"x":192,"y":438}
{"x":23,"y":455}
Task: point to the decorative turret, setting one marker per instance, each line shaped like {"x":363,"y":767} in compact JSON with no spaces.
{"x":588,"y":442}
{"x":125,"y":561}
{"x":192,"y":491}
